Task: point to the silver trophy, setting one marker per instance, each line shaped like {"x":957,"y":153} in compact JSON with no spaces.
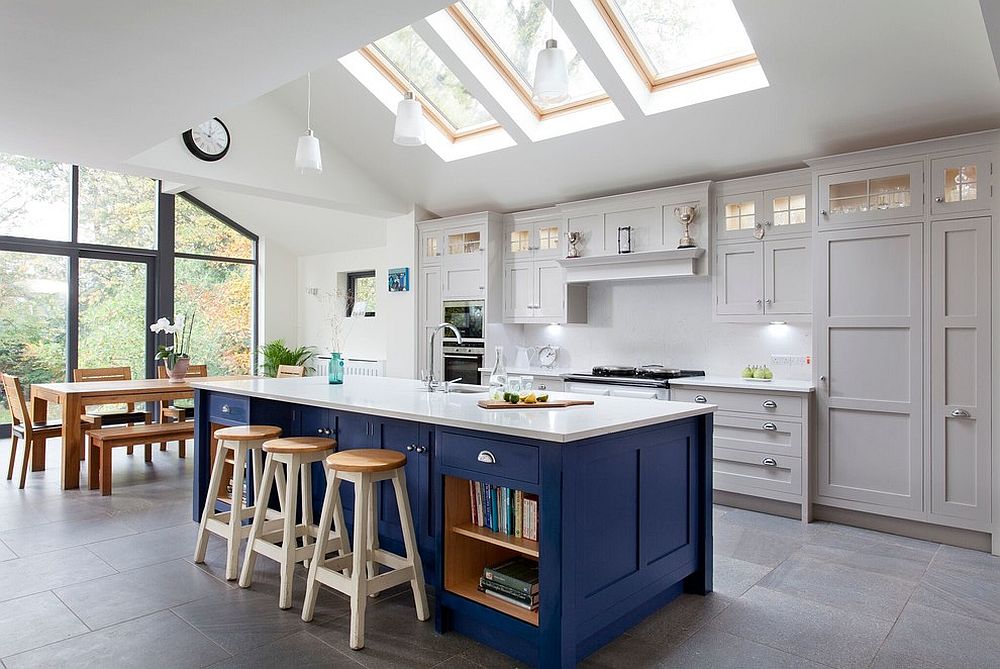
{"x":686,"y":216}
{"x":575,"y":240}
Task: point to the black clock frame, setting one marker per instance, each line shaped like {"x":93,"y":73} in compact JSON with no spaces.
{"x":188,"y":137}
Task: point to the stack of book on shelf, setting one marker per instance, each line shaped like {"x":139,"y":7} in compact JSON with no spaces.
{"x":504,"y":510}
{"x":514,"y":581}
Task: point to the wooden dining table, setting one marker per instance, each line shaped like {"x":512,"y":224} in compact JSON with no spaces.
{"x":73,"y":397}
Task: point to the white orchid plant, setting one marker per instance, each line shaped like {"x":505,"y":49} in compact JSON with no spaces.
{"x":181,"y":331}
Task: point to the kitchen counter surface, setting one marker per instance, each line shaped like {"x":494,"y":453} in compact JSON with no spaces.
{"x":404,"y":399}
{"x":776,"y":385}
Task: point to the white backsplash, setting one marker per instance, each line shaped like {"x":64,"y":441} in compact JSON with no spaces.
{"x":668,"y":322}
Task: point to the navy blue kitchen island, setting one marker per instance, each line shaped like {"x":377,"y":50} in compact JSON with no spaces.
{"x":624,"y":491}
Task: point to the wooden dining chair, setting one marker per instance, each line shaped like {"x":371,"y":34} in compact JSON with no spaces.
{"x":98,"y":418}
{"x":23,"y":428}
{"x":290,"y":371}
{"x":178,"y":412}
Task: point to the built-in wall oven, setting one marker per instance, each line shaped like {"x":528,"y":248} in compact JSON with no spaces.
{"x":463,"y":362}
{"x":467,"y":317}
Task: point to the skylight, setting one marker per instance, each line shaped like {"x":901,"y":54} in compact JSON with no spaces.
{"x":510,"y":34}
{"x":671,"y":41}
{"x":406,"y":60}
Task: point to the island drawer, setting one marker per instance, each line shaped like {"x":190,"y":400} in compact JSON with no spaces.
{"x":752,"y":473}
{"x":228,"y":409}
{"x":758,"y":434}
{"x":493,"y":457}
{"x":762,"y":402}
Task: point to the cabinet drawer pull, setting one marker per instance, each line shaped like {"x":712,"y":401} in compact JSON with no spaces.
{"x":960,"y":413}
{"x":542,"y":386}
{"x":769,"y":462}
{"x":770,"y":404}
{"x":225,"y":408}
{"x":700,"y":399}
{"x":771,"y":427}
{"x":487,"y":457}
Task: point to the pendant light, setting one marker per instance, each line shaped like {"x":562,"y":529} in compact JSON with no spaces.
{"x":308,"y":159}
{"x":551,"y":76}
{"x":409,"y":129}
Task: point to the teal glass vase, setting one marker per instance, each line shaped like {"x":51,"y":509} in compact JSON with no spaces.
{"x":335,"y":372}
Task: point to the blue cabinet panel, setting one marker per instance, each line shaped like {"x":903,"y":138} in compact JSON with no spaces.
{"x":492,"y":457}
{"x":228,"y":409}
{"x":666,"y":506}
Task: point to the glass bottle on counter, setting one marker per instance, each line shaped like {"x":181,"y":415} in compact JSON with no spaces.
{"x":498,"y":377}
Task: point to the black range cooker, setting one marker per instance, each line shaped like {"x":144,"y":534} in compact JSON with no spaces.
{"x":646,"y":381}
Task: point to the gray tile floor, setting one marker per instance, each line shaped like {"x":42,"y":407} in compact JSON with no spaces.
{"x":108,"y":582}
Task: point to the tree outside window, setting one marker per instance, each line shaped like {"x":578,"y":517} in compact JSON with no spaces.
{"x":361,"y":288}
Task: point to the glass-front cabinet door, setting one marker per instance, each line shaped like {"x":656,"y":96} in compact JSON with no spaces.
{"x":518,"y":241}
{"x":787,"y":211}
{"x":871,"y":195}
{"x":464,"y":241}
{"x":741,"y":216}
{"x":431,"y":246}
{"x":548,"y":238}
{"x":961,"y":183}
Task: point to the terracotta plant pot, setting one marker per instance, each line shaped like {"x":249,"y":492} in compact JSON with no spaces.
{"x":179,"y":370}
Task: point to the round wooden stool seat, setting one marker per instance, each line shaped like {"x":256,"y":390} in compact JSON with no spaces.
{"x":300,"y":445}
{"x":248,"y":433}
{"x":366,"y":460}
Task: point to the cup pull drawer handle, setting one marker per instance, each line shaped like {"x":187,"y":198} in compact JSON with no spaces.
{"x":700,"y":399}
{"x":771,"y":427}
{"x":225,"y":408}
{"x":770,"y":404}
{"x":487,"y":457}
{"x":769,"y":462}
{"x":960,"y":413}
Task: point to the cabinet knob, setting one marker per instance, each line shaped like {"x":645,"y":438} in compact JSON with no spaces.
{"x":960,"y":413}
{"x":768,"y":223}
{"x":769,"y":462}
{"x":421,"y":449}
{"x":487,"y":457}
{"x":319,"y":431}
{"x":822,"y":378}
{"x":759,"y":303}
{"x":767,"y":301}
{"x":700,"y":399}
{"x":770,"y":427}
{"x":769,"y":404}
{"x":411,"y":448}
{"x":225,"y":408}
{"x":823,"y":212}
{"x":939,"y":199}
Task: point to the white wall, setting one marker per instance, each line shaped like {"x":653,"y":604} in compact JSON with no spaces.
{"x":669,"y":322}
{"x":278,"y":315}
{"x":390,"y":334}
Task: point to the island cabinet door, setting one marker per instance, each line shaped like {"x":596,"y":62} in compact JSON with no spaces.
{"x":353,"y":431}
{"x":404,"y":437}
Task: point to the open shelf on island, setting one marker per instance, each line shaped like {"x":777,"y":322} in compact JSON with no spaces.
{"x":468,"y":549}
{"x":523,"y":546}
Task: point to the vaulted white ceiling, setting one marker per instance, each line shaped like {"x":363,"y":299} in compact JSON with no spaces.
{"x":114,"y":83}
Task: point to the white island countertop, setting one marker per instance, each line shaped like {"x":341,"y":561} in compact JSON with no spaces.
{"x":404,"y":399}
{"x":775,"y":385}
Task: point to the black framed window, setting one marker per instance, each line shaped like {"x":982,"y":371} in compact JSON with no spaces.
{"x":361,"y":287}
{"x":89,"y":258}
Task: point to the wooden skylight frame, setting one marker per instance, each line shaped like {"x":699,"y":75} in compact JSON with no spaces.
{"x":635,"y":53}
{"x":400,"y":82}
{"x":464,"y":19}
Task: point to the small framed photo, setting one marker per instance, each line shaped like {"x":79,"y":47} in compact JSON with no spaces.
{"x":399,"y":280}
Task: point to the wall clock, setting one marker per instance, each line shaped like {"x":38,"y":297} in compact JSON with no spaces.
{"x":208,"y":141}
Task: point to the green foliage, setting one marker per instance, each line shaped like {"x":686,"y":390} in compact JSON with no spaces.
{"x":276,"y":353}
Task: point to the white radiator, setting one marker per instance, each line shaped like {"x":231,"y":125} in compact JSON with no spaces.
{"x":361,"y":367}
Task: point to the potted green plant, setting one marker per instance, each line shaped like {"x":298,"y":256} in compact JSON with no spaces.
{"x":175,"y":357}
{"x":276,"y":353}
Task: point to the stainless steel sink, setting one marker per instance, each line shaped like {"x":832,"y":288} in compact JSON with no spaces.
{"x":466,"y":389}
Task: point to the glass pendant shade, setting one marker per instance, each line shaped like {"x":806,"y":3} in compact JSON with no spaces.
{"x":551,"y":76}
{"x":409,"y":130}
{"x":307,"y":154}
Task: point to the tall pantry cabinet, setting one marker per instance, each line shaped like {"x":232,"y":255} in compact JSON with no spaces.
{"x":903,"y":322}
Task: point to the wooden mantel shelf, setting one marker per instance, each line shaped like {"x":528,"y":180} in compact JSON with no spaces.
{"x":624,"y":266}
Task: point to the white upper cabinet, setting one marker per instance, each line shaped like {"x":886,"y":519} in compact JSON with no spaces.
{"x":961,"y":183}
{"x":531,"y":236}
{"x":788,"y":276}
{"x":768,"y":280}
{"x":431,"y":246}
{"x":763,"y":214}
{"x":740,"y":279}
{"x":871,"y":196}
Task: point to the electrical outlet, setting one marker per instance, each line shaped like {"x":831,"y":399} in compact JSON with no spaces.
{"x":790,"y":360}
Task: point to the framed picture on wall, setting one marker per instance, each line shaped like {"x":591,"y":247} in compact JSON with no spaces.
{"x":399,"y":280}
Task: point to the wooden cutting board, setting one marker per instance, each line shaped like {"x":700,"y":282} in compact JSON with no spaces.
{"x":551,"y":404}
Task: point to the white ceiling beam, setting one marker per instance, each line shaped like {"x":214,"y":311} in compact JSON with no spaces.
{"x":172,"y":187}
{"x":991,"y":15}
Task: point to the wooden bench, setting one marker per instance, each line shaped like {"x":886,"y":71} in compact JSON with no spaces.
{"x":102,"y":442}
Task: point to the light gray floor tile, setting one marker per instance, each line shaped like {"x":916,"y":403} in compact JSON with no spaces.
{"x":135,"y":593}
{"x":300,"y":650}
{"x":733,"y":577}
{"x":635,"y":654}
{"x":720,"y":650}
{"x":840,"y":586}
{"x":954,"y":591}
{"x":37,"y":573}
{"x":161,"y":640}
{"x":946,"y":639}
{"x":139,"y":550}
{"x":6,"y":553}
{"x":33,"y":621}
{"x":814,"y":631}
{"x":752,"y":545}
{"x":890,"y":659}
{"x":885,"y":558}
{"x":673,"y":624}
{"x":974,"y":563}
{"x":65,"y":534}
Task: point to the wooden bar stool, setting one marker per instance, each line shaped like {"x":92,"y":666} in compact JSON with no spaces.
{"x":239,"y":440}
{"x":364,"y":468}
{"x":297,"y":454}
